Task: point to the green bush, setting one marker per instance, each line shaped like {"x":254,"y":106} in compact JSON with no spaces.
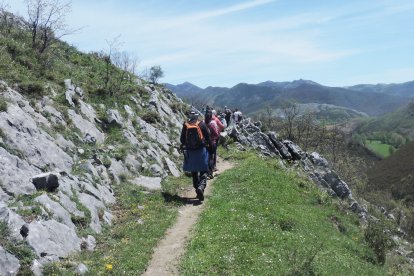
{"x":378,"y":240}
{"x":32,"y":88}
{"x":151,"y":117}
{"x":3,"y":105}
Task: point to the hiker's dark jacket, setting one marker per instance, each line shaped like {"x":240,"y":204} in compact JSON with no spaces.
{"x":196,"y":160}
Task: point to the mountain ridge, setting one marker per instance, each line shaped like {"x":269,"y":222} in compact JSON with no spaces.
{"x":253,"y":97}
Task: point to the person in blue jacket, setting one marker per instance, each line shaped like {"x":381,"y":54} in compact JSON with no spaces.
{"x":196,"y":143}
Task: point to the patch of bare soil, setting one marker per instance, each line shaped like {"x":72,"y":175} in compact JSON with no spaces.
{"x":167,"y":254}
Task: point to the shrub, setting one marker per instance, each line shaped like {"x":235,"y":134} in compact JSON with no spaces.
{"x":3,"y":105}
{"x":378,"y":240}
{"x":287,"y":224}
{"x":151,"y":117}
{"x":32,"y":88}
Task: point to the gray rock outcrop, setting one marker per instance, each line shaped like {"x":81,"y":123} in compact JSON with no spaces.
{"x":52,"y":238}
{"x":150,"y":183}
{"x":9,"y":264}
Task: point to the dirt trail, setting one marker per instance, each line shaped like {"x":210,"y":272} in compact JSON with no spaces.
{"x":169,"y":250}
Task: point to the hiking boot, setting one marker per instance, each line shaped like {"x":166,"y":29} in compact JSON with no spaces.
{"x":200,"y":193}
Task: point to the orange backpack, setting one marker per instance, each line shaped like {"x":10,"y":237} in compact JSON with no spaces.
{"x":194,"y":136}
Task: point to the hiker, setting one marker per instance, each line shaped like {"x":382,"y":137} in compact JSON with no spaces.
{"x":227,"y":113}
{"x":214,"y":136}
{"x":195,"y":142}
{"x":237,"y":116}
{"x":217,"y":120}
{"x":223,"y":120}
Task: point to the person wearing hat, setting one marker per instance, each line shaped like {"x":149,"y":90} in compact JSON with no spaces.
{"x":196,"y":143}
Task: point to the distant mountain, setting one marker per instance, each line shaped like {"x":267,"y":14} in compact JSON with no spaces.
{"x":252,"y":98}
{"x":329,"y":113}
{"x":185,"y":89}
{"x":405,"y":89}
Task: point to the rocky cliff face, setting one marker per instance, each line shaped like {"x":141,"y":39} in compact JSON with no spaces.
{"x":62,"y":155}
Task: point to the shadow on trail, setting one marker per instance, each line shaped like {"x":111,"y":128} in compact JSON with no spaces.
{"x":181,"y":200}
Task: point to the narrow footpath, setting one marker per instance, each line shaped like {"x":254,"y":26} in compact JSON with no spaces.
{"x":170,"y":249}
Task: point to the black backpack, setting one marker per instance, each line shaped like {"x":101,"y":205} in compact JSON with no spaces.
{"x":194,"y":136}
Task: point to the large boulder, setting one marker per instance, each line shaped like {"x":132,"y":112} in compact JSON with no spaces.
{"x":51,"y":238}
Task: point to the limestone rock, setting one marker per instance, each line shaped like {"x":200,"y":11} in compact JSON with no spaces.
{"x":283,"y":150}
{"x":59,"y":213}
{"x":81,"y":269}
{"x":36,"y":145}
{"x":86,"y":127}
{"x":172,"y":167}
{"x":295,"y":150}
{"x":114,"y":117}
{"x":155,"y":133}
{"x":94,"y":206}
{"x":88,"y":243}
{"x":318,"y":160}
{"x":13,"y":221}
{"x":52,"y":238}
{"x":15,"y":174}
{"x":150,"y":183}
{"x":69,"y":205}
{"x":156,"y":170}
{"x":9,"y":264}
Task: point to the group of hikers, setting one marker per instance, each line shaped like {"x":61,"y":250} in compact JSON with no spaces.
{"x":199,"y":140}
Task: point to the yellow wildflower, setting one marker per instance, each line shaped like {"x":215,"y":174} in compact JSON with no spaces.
{"x":108,"y":267}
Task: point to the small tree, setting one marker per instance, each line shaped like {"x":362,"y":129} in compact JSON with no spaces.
{"x":5,"y":23}
{"x":155,"y":74}
{"x":46,"y":21}
{"x":290,"y":113}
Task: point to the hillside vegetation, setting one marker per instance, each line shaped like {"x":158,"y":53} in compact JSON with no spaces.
{"x":262,"y":220}
{"x":394,"y":128}
{"x":394,"y":176}
{"x":39,"y":73}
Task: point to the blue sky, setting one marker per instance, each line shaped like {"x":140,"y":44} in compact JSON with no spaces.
{"x":222,"y":43}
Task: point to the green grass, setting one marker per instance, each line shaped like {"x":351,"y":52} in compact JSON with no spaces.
{"x":378,"y":148}
{"x":262,"y":220}
{"x":127,"y":246}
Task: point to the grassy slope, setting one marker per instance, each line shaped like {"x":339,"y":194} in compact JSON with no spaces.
{"x":264,"y":221}
{"x":378,"y":148}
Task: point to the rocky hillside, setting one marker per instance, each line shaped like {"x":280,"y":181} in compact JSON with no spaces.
{"x":60,"y":158}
